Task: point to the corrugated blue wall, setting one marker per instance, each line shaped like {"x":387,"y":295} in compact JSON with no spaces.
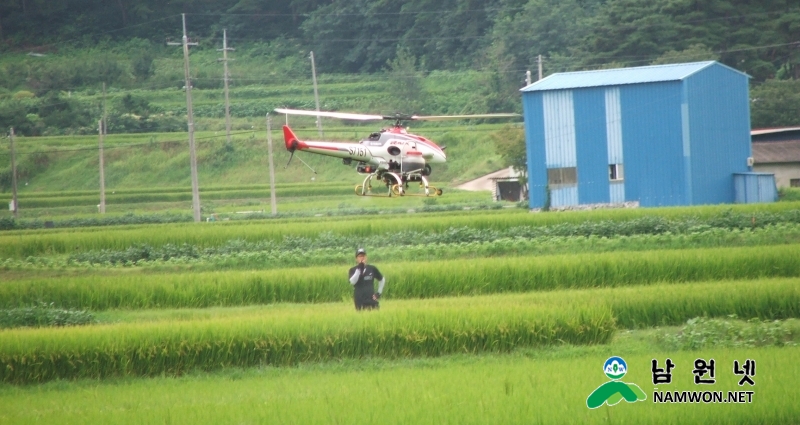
{"x":590,"y":131}
{"x":616,"y":189}
{"x":653,"y":143}
{"x":578,"y":128}
{"x":679,"y":141}
{"x":754,"y":187}
{"x":719,"y":124}
{"x":534,"y":138}
{"x":560,"y":144}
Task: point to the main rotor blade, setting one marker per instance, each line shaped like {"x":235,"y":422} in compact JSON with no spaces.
{"x":342,"y":115}
{"x":460,"y":117}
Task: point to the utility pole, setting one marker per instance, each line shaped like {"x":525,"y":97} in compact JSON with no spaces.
{"x":316,"y":94}
{"x":102,"y":207}
{"x":14,"y":203}
{"x":224,"y":61}
{"x":528,"y":77}
{"x":539,"y":61}
{"x":271,"y":167}
{"x":102,"y":131}
{"x":190,"y":119}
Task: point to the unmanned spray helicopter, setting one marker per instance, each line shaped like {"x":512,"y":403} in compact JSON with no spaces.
{"x":392,"y":156}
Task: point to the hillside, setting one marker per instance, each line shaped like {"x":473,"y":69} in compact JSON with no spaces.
{"x":160,"y":159}
{"x":151,"y":160}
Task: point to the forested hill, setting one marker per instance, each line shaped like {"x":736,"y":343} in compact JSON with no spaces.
{"x":757,"y":37}
{"x":415,"y":56}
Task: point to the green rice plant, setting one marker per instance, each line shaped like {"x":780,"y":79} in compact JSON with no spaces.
{"x":21,"y":244}
{"x":540,"y":387}
{"x":705,"y":332}
{"x":673,"y":304}
{"x":294,"y":187}
{"x":27,"y":243}
{"x":174,"y":343}
{"x":329,"y":249}
{"x":178,"y":196}
{"x":422,"y":279}
{"x":659,"y":304}
{"x":42,"y":314}
{"x":290,"y":337}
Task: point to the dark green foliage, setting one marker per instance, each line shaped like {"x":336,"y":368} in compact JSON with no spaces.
{"x":8,"y":223}
{"x":224,"y":156}
{"x":43,"y":314}
{"x":28,"y":166}
{"x":100,"y":221}
{"x":705,"y":332}
{"x":775,"y":103}
{"x":454,"y":235}
{"x":405,"y":80}
{"x":142,"y":66}
{"x":510,"y":145}
{"x":70,"y":73}
{"x":789,"y":194}
{"x":134,"y":105}
{"x":358,"y":36}
{"x":121,"y":44}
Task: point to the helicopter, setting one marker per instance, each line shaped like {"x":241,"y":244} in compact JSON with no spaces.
{"x":392,"y":156}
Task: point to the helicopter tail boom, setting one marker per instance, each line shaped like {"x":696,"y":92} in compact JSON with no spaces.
{"x":291,"y":141}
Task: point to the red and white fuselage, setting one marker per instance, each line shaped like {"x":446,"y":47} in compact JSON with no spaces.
{"x":390,"y":145}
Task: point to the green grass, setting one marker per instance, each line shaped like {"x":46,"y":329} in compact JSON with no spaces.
{"x":636,"y":307}
{"x":290,"y":336}
{"x":789,"y":194}
{"x":404,"y":247}
{"x":419,"y":279}
{"x":541,"y":386}
{"x":16,"y":244}
{"x":176,"y":342}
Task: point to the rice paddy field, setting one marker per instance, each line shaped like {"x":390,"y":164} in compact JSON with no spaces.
{"x":490,"y":315}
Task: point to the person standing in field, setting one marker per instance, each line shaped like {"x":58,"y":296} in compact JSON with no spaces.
{"x":363,"y":278}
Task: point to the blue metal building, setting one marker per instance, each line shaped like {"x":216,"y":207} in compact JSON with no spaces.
{"x":658,"y":135}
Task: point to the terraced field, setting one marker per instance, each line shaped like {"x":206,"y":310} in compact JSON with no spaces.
{"x":489,"y":316}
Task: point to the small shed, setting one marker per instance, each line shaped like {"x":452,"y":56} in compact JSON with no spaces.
{"x":504,"y":184}
{"x":753,"y":188}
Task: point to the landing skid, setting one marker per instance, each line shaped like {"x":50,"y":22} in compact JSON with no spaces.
{"x":365,"y":189}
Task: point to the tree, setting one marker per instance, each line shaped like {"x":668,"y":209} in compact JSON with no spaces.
{"x":500,"y":81}
{"x":695,"y":53}
{"x":405,"y":79}
{"x":546,"y":27}
{"x":775,"y":103}
{"x":509,"y":143}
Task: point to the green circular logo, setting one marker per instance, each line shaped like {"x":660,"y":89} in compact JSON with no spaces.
{"x":615,"y":368}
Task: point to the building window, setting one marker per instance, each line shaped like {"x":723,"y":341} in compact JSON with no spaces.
{"x":794,"y":182}
{"x":615,"y":172}
{"x":562,"y":176}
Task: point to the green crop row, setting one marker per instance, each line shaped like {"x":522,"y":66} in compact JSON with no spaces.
{"x":289,"y":334}
{"x":422,"y":279}
{"x":242,"y":255}
{"x":408,"y":246}
{"x":637,"y":306}
{"x":23,"y":243}
{"x":167,"y":190}
{"x":526,"y":388}
{"x":484,"y":225}
{"x":156,"y":349}
{"x":42,"y":314}
{"x":135,"y":198}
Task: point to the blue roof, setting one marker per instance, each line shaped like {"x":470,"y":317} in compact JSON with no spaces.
{"x":619,"y":76}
